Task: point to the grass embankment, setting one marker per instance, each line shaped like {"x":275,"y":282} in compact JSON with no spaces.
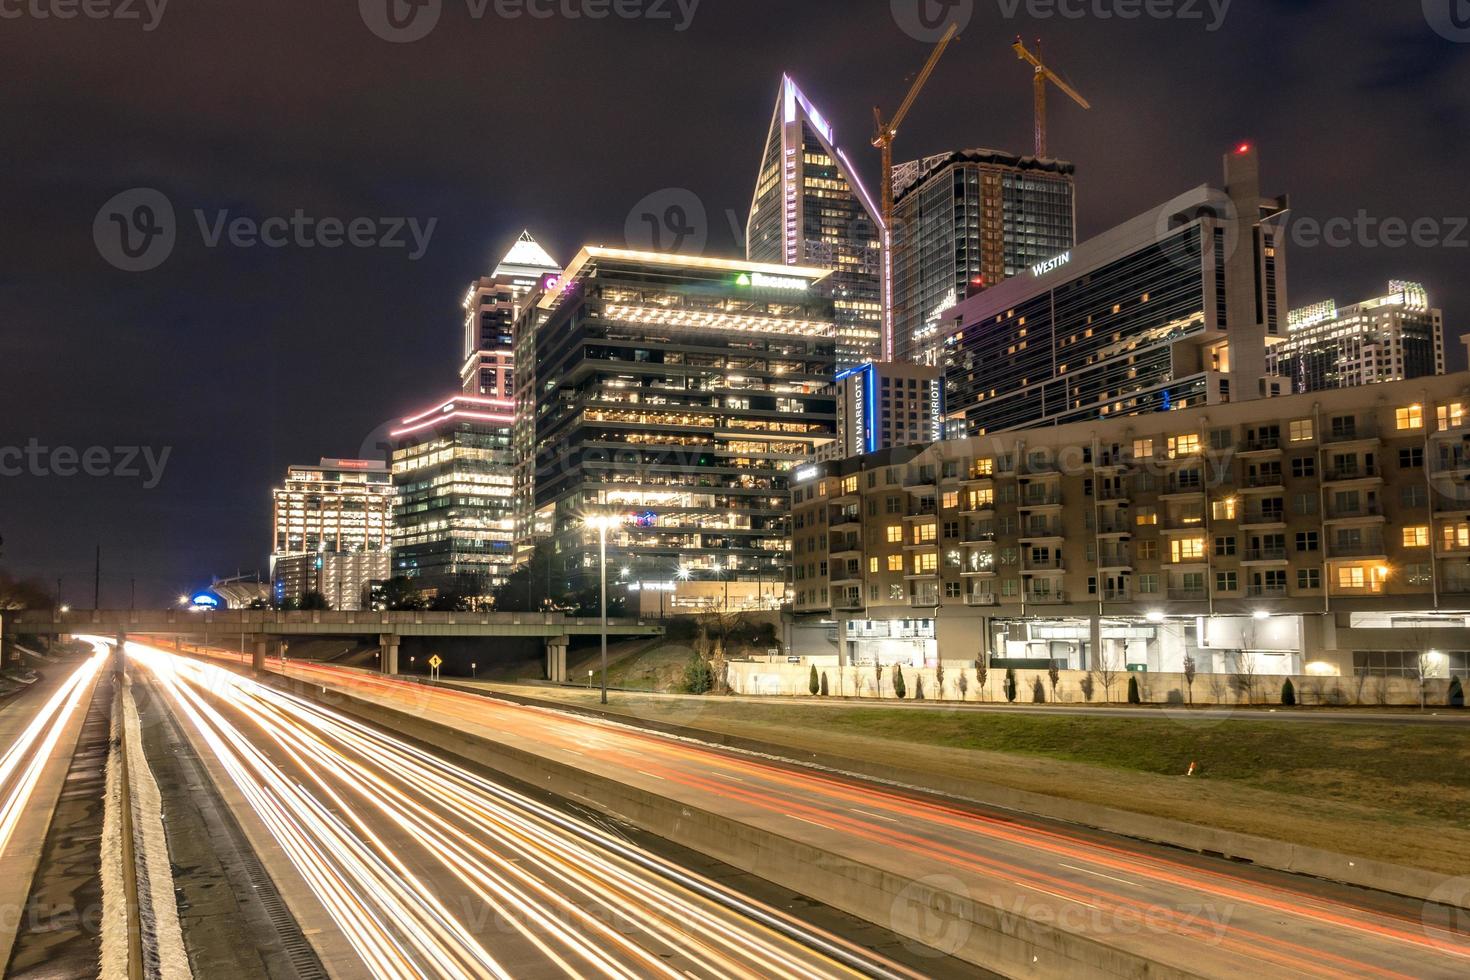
{"x":1394,"y":793}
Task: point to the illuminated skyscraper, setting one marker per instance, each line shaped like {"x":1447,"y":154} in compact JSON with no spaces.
{"x":453,"y":474}
{"x":678,"y":392}
{"x":490,"y":308}
{"x":333,"y":528}
{"x":966,"y":221}
{"x":810,"y":209}
{"x":1389,"y":338}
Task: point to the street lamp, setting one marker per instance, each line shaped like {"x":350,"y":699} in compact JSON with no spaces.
{"x":603,"y":523}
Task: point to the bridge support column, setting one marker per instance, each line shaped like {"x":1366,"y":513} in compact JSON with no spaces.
{"x":119,"y":653}
{"x":556,"y":659}
{"x":388,"y":644}
{"x":258,"y":654}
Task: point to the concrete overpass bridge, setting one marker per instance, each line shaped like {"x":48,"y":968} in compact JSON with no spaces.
{"x":267,"y":629}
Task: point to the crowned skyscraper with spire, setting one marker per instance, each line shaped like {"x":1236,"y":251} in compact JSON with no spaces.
{"x":490,"y":308}
{"x":811,"y":209}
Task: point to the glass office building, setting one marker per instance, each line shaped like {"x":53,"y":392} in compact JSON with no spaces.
{"x":1174,"y":309}
{"x":453,"y":473}
{"x":677,"y":392}
{"x":1392,"y":337}
{"x":966,"y":221}
{"x":810,"y":209}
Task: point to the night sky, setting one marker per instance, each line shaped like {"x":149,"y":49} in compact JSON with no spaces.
{"x":243,"y":360}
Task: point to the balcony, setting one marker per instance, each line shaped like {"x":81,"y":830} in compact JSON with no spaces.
{"x":1271,"y":480}
{"x":982,"y":599}
{"x":1349,"y":474}
{"x":847,"y":599}
{"x":1456,"y":463}
{"x":977,"y":538}
{"x":1265,"y":592}
{"x":1264,"y":556}
{"x":844,"y":547}
{"x":1115,"y":527}
{"x":1454,"y":586}
{"x":1364,"y":510}
{"x":1117,"y":595}
{"x":924,"y":601}
{"x":1371,"y":548}
{"x":1112,"y":494}
{"x":1263,"y":518}
{"x":1262,"y":444}
{"x":1115,"y":559}
{"x":1188,"y":595}
{"x":1057,"y":564}
{"x":1041,"y":530}
{"x":1031,"y":501}
{"x":1359,"y":432}
{"x":1175,"y":487}
{"x":1046,"y":598}
{"x":847,"y":517}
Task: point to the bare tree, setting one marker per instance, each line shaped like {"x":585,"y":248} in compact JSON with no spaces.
{"x":1053,"y":674}
{"x":1246,"y":665}
{"x":964,"y":685}
{"x":1189,"y":672}
{"x":878,"y":678}
{"x":939,"y":680}
{"x":1107,"y":672}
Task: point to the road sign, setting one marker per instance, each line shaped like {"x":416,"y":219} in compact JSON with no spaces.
{"x":436,"y":661}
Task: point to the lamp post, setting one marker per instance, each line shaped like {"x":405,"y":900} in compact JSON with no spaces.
{"x":602,"y":522}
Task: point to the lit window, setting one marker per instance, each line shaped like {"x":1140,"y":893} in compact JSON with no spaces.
{"x":1416,"y":537}
{"x":925,"y":532}
{"x":850,"y":485}
{"x":895,"y":534}
{"x":951,"y":500}
{"x":926,"y":563}
{"x":1147,"y":516}
{"x":1302,"y":430}
{"x":1189,"y":549}
{"x":895,"y":563}
{"x":1351,"y":577}
{"x":1451,"y":416}
{"x":872,"y":565}
{"x":1409,"y":418}
{"x":1186,"y":445}
{"x":1224,"y":510}
{"x":1143,"y":449}
{"x":983,"y":467}
{"x":1457,"y":536}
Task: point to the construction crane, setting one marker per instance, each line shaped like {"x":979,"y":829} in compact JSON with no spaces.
{"x":883,"y":141}
{"x":1041,"y":76}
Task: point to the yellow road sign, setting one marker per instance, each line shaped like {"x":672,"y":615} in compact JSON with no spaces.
{"x":436,"y":661}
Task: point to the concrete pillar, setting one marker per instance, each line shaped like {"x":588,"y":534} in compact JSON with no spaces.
{"x":388,"y":644}
{"x":259,"y":651}
{"x":1094,"y":643}
{"x":119,"y":654}
{"x":556,"y":659}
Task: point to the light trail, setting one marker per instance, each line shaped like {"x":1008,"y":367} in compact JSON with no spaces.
{"x":1260,"y":924}
{"x":586,"y":902}
{"x":24,"y":761}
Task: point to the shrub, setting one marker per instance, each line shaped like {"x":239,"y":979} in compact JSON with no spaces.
{"x":1088,"y":687}
{"x":824,"y":684}
{"x":1010,"y":684}
{"x":698,"y":678}
{"x":964,"y":685}
{"x":1288,"y":694}
{"x":1133,"y":696}
{"x":1038,"y":692}
{"x":919,"y":688}
{"x":900,"y":688}
{"x":813,"y":683}
{"x":1456,"y":697}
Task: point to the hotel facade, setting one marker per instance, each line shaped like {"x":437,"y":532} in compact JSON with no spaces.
{"x":1323,"y":533}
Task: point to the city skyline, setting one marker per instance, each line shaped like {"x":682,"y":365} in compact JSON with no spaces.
{"x":317,"y":369}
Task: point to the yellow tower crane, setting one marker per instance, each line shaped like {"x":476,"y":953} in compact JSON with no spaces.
{"x":1041,"y":75}
{"x":883,"y":141}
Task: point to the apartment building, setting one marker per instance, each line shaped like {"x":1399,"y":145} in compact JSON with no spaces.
{"x":1321,"y":533}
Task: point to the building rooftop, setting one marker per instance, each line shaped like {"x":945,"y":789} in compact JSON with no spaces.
{"x":908,"y":175}
{"x":526,"y":258}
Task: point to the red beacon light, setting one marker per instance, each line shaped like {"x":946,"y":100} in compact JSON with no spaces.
{"x":1243,"y":149}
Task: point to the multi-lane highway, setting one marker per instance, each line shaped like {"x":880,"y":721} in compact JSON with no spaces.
{"x":1186,"y":911}
{"x":429,"y":870}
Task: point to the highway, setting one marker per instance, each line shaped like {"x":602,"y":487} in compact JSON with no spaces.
{"x":430,"y":870}
{"x":1199,"y":915}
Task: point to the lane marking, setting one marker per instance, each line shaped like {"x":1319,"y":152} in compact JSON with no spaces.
{"x":1087,"y":871}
